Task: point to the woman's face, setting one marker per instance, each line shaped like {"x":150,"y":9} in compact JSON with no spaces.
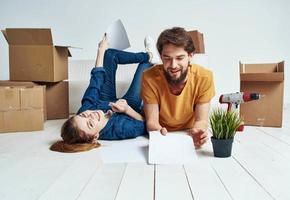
{"x":91,"y":122}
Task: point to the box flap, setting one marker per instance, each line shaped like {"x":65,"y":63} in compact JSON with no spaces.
{"x":28,"y":36}
{"x":281,"y":66}
{"x":60,"y":46}
{"x":276,"y":76}
{"x":5,"y":34}
{"x":262,"y":68}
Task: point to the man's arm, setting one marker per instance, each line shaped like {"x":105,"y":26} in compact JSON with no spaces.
{"x":152,"y":118}
{"x":198,"y":132}
{"x":201,"y":115}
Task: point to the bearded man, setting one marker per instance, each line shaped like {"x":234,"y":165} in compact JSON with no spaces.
{"x":177,"y":94}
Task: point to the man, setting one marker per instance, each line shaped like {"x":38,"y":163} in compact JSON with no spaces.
{"x":177,"y":94}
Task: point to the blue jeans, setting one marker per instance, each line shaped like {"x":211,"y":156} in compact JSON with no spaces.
{"x":114,"y":57}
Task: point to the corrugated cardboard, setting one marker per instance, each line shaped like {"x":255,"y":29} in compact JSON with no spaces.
{"x":198,"y":42}
{"x":9,"y":98}
{"x":33,"y":57}
{"x":21,"y":120}
{"x":268,"y":80}
{"x":21,"y":108}
{"x":56,"y":101}
{"x":25,"y":84}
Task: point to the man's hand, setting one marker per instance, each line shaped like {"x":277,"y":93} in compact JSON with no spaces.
{"x":120,"y":106}
{"x":199,"y":136}
{"x":163,"y":131}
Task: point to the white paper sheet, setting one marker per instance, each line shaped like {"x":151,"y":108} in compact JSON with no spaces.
{"x":117,"y":36}
{"x":124,"y":151}
{"x":174,"y":148}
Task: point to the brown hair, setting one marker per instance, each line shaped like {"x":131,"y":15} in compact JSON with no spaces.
{"x":176,"y":36}
{"x":73,"y":139}
{"x":64,"y":147}
{"x":71,"y":134}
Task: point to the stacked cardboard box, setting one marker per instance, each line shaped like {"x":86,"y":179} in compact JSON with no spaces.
{"x":197,"y":38}
{"x":21,"y":108}
{"x":33,"y":57}
{"x":268,"y":80}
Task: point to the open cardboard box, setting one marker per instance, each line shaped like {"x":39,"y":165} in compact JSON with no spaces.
{"x":33,"y":57}
{"x":268,"y":80}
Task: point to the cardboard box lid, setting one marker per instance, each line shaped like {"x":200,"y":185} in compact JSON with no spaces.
{"x":21,"y":97}
{"x":262,"y":67}
{"x":28,"y":36}
{"x":278,"y":76}
{"x":31,"y":36}
{"x":262,"y":72}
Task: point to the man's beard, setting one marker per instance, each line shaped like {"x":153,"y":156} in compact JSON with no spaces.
{"x":177,"y":81}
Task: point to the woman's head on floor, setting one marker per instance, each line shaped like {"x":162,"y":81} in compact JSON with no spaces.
{"x":84,"y":128}
{"x":80,"y":132}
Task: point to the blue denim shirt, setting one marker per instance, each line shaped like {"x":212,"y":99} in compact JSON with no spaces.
{"x":119,"y":126}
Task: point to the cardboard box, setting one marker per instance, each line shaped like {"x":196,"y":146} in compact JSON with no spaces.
{"x":33,"y":57}
{"x":23,"y":84}
{"x":21,"y":108}
{"x":268,"y":80}
{"x":198,"y":42}
{"x":56,"y":97}
{"x":57,"y":102}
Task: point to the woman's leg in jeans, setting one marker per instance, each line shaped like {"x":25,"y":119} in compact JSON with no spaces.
{"x":133,"y":94}
{"x":112,"y":58}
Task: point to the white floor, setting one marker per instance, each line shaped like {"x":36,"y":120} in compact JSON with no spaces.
{"x":258,"y":169}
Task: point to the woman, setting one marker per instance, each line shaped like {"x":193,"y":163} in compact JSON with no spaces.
{"x":102,"y":115}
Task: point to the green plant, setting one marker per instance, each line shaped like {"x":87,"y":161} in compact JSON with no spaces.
{"x":224,"y":123}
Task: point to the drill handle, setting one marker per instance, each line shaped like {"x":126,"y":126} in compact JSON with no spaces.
{"x":229,"y":106}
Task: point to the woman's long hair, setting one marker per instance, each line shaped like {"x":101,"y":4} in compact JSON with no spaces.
{"x":73,"y":139}
{"x":64,"y":147}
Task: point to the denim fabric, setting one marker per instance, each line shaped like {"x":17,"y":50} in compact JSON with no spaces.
{"x":113,"y":57}
{"x":102,"y":90}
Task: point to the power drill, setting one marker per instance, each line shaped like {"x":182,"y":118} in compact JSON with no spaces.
{"x":237,"y":99}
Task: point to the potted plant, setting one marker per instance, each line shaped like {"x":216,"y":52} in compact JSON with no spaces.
{"x":223,"y":127}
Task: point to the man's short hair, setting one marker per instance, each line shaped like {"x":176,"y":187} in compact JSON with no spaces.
{"x":176,"y":36}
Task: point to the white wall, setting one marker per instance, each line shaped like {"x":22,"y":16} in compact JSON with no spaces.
{"x":248,"y":30}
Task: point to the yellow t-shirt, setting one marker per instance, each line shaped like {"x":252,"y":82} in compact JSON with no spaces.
{"x":176,"y":112}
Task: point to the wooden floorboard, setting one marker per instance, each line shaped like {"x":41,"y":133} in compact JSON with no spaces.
{"x":105,"y":183}
{"x":74,"y":179}
{"x":269,"y":167}
{"x":171,"y":183}
{"x":137,"y":182}
{"x":258,"y":169}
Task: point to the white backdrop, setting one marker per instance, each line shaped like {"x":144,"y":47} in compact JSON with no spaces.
{"x":248,"y":30}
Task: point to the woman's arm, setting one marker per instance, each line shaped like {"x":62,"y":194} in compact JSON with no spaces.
{"x":91,"y":99}
{"x":103,"y":46}
{"x":122,"y":107}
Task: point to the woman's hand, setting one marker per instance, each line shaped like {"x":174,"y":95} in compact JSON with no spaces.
{"x":120,"y":106}
{"x":103,"y":44}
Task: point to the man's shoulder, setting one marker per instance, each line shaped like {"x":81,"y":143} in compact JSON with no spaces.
{"x":153,"y":72}
{"x":200,"y":71}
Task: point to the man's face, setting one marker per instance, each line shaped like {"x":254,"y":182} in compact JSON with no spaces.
{"x":91,"y":122}
{"x":175,"y":61}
